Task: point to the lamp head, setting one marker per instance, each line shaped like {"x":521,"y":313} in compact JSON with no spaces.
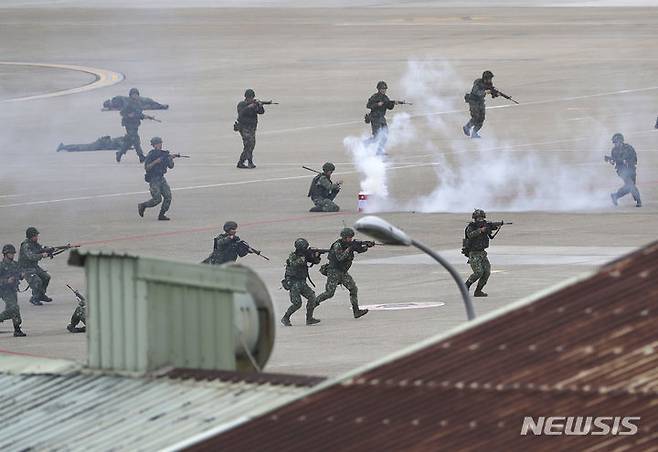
{"x":382,"y":231}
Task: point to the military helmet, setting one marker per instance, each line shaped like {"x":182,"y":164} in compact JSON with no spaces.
{"x":230,"y":225}
{"x":382,"y":85}
{"x":487,"y":74}
{"x":479,"y":213}
{"x":8,"y":249}
{"x":156,"y":140}
{"x":328,"y":167}
{"x":249,"y":93}
{"x":133,"y":91}
{"x":301,"y":244}
{"x":618,"y":138}
{"x":346,"y":232}
{"x":31,"y":232}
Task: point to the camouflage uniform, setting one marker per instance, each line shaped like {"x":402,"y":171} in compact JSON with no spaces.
{"x":295,"y":280}
{"x":477,"y":257}
{"x":158,"y":185}
{"x":625,"y":160}
{"x":105,"y":143}
{"x":28,"y":259}
{"x":476,"y":105}
{"x":378,"y":119}
{"x":226,"y":249}
{"x":340,"y":260}
{"x":248,"y":111}
{"x":79,"y":315}
{"x":323,"y":192}
{"x":131,"y":118}
{"x":118,"y":102}
{"x":9,"y":291}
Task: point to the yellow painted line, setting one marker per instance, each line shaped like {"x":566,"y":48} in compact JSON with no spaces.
{"x":103,"y":78}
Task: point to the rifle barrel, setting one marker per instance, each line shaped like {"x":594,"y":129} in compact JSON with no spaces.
{"x":311,"y":169}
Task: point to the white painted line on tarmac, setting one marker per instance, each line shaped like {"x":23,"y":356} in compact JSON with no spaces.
{"x":192,"y":187}
{"x":103,"y":79}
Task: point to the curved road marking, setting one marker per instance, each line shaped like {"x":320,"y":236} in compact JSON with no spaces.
{"x":103,"y":78}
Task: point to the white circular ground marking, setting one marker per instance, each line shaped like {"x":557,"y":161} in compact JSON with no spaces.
{"x":103,"y":79}
{"x":402,"y":306}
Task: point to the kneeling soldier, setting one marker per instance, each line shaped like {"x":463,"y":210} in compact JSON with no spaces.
{"x":295,"y":281}
{"x":323,"y":191}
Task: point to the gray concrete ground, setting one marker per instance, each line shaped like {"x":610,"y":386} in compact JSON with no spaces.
{"x":577,"y":71}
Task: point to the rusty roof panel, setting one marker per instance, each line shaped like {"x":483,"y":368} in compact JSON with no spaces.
{"x":588,"y":349}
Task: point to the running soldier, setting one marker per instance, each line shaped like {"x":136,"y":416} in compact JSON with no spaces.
{"x":131,"y":118}
{"x":475,"y":100}
{"x":340,"y":259}
{"x":323,"y":191}
{"x":10,"y":276}
{"x":31,"y":253}
{"x":248,"y":111}
{"x":158,"y":161}
{"x":624,"y":159}
{"x":378,"y":103}
{"x":295,"y":281}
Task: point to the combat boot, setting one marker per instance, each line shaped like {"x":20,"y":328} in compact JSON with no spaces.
{"x":19,"y":333}
{"x":315,"y":209}
{"x":250,"y":164}
{"x":36,"y":301}
{"x":71,"y":328}
{"x":45,"y":298}
{"x":118,"y":156}
{"x":140,"y":209}
{"x":613,"y":196}
{"x":163,"y":217}
{"x":241,"y":165}
{"x":311,"y":321}
{"x":479,"y":293}
{"x":285,"y":321}
{"x":359,"y":313}
{"x":467,"y":131}
{"x":468,"y":285}
{"x":475,"y":134}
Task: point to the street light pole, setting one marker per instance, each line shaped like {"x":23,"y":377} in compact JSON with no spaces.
{"x":470,"y":312}
{"x":384,"y":231}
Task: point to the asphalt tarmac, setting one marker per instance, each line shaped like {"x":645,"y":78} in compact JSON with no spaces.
{"x":580,"y":75}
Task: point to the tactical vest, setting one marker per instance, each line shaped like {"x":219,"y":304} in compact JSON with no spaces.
{"x":343,"y":266}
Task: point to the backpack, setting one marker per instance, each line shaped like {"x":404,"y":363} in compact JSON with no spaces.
{"x":313,"y":189}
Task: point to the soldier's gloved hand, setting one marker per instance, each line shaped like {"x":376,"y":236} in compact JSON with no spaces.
{"x":483,"y":229}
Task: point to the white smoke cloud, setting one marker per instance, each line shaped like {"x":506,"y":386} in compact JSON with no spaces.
{"x":489,"y":174}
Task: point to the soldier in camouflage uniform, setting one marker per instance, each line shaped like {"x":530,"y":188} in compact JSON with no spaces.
{"x":378,"y":103}
{"x":248,"y":111}
{"x":30,"y":254}
{"x":295,"y":281}
{"x":475,"y":100}
{"x":624,"y":158}
{"x":478,"y":233}
{"x":10,"y":276}
{"x":79,"y":315}
{"x":105,"y":143}
{"x":131,"y":118}
{"x":340,"y":259}
{"x":156,"y":165}
{"x":323,"y":191}
{"x":227,"y":246}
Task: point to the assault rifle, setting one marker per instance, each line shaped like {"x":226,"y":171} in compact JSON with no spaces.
{"x":311,"y":170}
{"x":495,"y":92}
{"x":53,"y":251}
{"x":178,"y":156}
{"x":364,"y":244}
{"x":267,"y":102}
{"x":151,"y":118}
{"x":253,"y":250}
{"x":402,"y":102}
{"x":496,"y":226}
{"x":77,"y":294}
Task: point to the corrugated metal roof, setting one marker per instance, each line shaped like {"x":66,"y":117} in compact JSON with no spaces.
{"x":84,"y":411}
{"x":586,"y":349}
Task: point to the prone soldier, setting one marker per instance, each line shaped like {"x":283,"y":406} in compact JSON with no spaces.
{"x":323,"y":191}
{"x":341,"y":255}
{"x":104,"y":143}
{"x":10,"y":276}
{"x":295,"y":278}
{"x":624,"y":159}
{"x":248,"y":111}
{"x":31,"y":252}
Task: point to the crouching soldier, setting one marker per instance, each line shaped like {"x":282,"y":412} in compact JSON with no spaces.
{"x":323,"y":191}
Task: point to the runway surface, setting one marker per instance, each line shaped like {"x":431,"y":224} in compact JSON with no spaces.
{"x":580,"y":74}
